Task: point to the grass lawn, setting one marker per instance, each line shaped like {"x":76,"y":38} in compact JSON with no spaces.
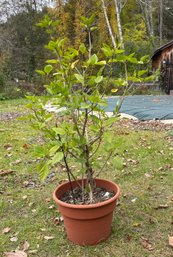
{"x":142,"y":221}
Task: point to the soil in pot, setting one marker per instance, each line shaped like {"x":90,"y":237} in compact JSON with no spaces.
{"x":100,"y":194}
{"x":87,"y":224}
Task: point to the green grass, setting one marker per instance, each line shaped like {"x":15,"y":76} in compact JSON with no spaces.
{"x":145,"y":181}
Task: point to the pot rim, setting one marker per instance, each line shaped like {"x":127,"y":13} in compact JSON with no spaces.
{"x":87,"y":206}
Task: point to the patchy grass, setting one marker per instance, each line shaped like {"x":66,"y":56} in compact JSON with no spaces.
{"x":142,"y":221}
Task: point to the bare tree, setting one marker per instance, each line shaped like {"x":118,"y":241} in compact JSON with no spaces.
{"x":108,"y":23}
{"x":117,"y":7}
{"x":147,"y":10}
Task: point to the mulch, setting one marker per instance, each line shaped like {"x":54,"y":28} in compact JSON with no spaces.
{"x":152,"y":125}
{"x":8,"y":116}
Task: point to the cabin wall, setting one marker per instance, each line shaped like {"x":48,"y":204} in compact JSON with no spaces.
{"x":164,"y":54}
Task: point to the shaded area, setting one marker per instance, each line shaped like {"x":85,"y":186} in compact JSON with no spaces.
{"x":145,"y":107}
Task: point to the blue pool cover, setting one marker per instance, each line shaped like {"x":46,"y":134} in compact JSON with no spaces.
{"x":145,"y":107}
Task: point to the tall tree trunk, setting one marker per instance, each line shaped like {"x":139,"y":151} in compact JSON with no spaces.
{"x":108,"y":24}
{"x":119,"y":23}
{"x":147,"y":10}
{"x":151,"y":17}
{"x":161,"y":22}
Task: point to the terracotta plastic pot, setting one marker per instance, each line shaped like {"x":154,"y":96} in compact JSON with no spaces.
{"x":87,"y":224}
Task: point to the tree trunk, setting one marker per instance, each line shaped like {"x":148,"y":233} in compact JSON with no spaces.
{"x":161,"y":22}
{"x":147,"y":10}
{"x":119,"y":23}
{"x":108,"y":24}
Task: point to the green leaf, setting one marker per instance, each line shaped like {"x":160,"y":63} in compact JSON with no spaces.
{"x":101,"y":63}
{"x":82,"y":48}
{"x":142,"y":72}
{"x":85,"y":105}
{"x":93,"y":59}
{"x":132,"y":59}
{"x":93,"y":28}
{"x":119,"y":51}
{"x":74,"y":64}
{"x":48,"y":68}
{"x":150,"y":78}
{"x":54,"y":149}
{"x":134,"y":79}
{"x":59,"y":131}
{"x":41,"y":72}
{"x":52,"y":61}
{"x":88,"y":22}
{"x":114,"y":90}
{"x":39,"y":151}
{"x":43,"y":169}
{"x":107,"y":50}
{"x":111,"y":120}
{"x":57,"y":158}
{"x":121,"y":82}
{"x":79,"y":77}
{"x":144,"y":58}
{"x":99,"y":79}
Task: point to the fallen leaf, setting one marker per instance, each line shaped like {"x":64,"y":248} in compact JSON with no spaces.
{"x":51,"y":207}
{"x":135,"y":162}
{"x":129,"y":238}
{"x":24,"y":197}
{"x":133,"y":200}
{"x":26,"y":246}
{"x":14,"y":239}
{"x":49,"y":237}
{"x":8,"y":155}
{"x":6,"y":172}
{"x":161,"y":206}
{"x":6,"y":230}
{"x":8,"y":147}
{"x":16,"y":162}
{"x":26,"y":146}
{"x":48,"y":199}
{"x":147,"y":175}
{"x":170,"y":241}
{"x":34,"y":210}
{"x":42,"y":229}
{"x":33,"y":251}
{"x":25,"y":183}
{"x":136,"y":224}
{"x":56,"y":221}
{"x":15,"y":254}
{"x":146,"y":244}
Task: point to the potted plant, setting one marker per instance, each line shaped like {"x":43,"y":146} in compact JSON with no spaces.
{"x":78,"y":131}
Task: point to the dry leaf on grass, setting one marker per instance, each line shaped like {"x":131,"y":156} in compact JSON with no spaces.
{"x":146,"y":244}
{"x":8,"y":147}
{"x":24,"y":197}
{"x":171,"y":241}
{"x":161,"y":206}
{"x":51,"y":207}
{"x":58,"y":220}
{"x":14,"y":239}
{"x":6,"y":172}
{"x":16,"y":162}
{"x":26,"y":146}
{"x":6,"y":230}
{"x":15,"y":254}
{"x":49,"y":237}
{"x":26,"y":246}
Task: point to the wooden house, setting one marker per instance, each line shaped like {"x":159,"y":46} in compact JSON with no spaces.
{"x":163,"y":59}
